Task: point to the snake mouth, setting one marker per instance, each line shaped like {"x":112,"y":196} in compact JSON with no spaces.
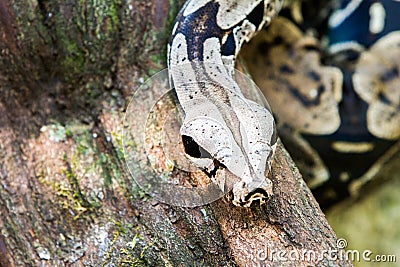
{"x":245,"y":199}
{"x":257,"y":195}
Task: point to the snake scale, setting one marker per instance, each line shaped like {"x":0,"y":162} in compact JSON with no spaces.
{"x":224,"y":130}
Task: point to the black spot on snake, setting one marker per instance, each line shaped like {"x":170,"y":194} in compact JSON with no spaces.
{"x":286,"y":69}
{"x":228,"y":48}
{"x":389,"y":75}
{"x":384,"y":99}
{"x":314,"y":76}
{"x":256,"y":16}
{"x":278,"y":40}
{"x":263,"y":48}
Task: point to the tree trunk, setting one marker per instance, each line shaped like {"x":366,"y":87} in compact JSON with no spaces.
{"x":66,"y":196}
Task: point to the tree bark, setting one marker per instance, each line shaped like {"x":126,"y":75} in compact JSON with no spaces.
{"x":66,"y":196}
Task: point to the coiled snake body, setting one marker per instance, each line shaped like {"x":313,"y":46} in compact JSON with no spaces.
{"x":229,"y":130}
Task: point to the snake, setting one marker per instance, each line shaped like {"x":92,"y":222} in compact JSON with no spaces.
{"x":343,"y":126}
{"x":348,"y":108}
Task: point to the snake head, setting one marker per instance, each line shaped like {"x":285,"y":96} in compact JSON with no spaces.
{"x":230,"y":137}
{"x":239,"y":140}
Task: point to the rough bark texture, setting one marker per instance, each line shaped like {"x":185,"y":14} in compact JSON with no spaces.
{"x":66,"y":197}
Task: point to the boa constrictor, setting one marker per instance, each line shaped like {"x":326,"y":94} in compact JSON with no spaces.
{"x":347,"y":91}
{"x":349,"y":109}
{"x":224,"y":125}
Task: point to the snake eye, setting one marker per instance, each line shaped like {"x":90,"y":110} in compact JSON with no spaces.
{"x":193,"y":149}
{"x":210,"y":166}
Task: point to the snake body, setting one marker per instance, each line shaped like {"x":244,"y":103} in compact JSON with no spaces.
{"x":343,"y":123}
{"x":342,"y":116}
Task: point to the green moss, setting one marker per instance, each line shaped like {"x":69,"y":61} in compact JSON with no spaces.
{"x":113,"y":14}
{"x":68,"y":198}
{"x":118,"y":141}
{"x":109,"y":169}
{"x":87,"y":39}
{"x":111,"y":249}
{"x":69,"y":194}
{"x":158,"y":61}
{"x":83,"y":141}
{"x":128,"y":256}
{"x":56,"y":132}
{"x":75,"y":59}
{"x":76,"y":199}
{"x":131,"y":253}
